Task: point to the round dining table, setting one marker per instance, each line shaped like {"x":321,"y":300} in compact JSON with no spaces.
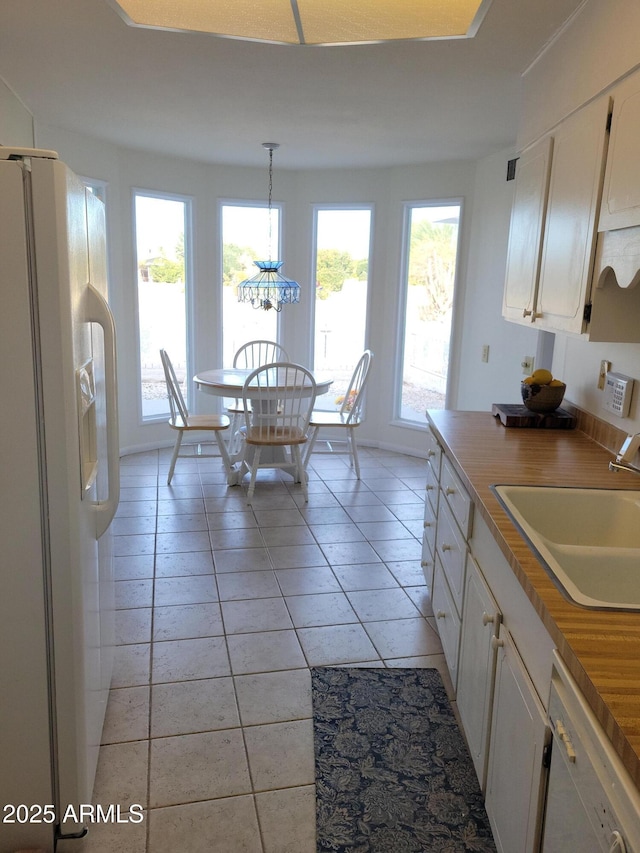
{"x":229,"y":382}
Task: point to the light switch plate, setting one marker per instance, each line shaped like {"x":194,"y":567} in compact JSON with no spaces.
{"x":527,"y":364}
{"x":605,"y":367}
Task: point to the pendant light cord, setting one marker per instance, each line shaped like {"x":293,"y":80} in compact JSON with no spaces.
{"x":270,"y":192}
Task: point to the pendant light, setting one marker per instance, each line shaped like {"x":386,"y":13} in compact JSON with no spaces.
{"x":269,"y":288}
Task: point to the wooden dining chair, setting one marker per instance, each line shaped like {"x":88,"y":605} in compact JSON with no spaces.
{"x":182,"y":421}
{"x":349,"y":416}
{"x":278,"y":400}
{"x":250,"y":355}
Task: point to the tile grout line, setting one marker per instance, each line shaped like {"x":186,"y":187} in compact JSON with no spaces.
{"x":151,"y":652}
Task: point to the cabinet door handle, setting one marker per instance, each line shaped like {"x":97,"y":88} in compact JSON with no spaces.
{"x":496,"y":643}
{"x":428,"y":524}
{"x":440,"y":614}
{"x":486,"y":619}
{"x":449,"y":491}
{"x":426,"y":563}
{"x":430,"y":453}
{"x":444,"y":548}
{"x":535,"y":315}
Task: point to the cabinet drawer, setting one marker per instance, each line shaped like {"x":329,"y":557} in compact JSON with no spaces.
{"x":432,"y":488}
{"x":447,"y":621}
{"x":434,"y":452}
{"x":456,"y":497}
{"x":451,"y":548}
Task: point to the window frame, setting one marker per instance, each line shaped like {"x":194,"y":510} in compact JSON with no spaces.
{"x":317,"y":208}
{"x":398,"y":373}
{"x":189,"y":219}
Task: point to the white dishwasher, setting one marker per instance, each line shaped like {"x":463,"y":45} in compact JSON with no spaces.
{"x":592,"y":804}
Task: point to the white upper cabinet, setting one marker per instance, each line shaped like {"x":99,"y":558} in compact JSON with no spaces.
{"x":553,"y":238}
{"x":621,"y":196}
{"x":579,"y":150}
{"x":525,"y":236}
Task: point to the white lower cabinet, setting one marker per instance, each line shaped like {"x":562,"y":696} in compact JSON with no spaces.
{"x":500,"y":657}
{"x":477,"y":665}
{"x":516,"y":777}
{"x":485,"y":621}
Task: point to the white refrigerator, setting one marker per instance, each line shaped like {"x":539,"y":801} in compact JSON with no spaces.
{"x":59,"y":479}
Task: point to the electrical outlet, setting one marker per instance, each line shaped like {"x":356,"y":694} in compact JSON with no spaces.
{"x":527,"y":364}
{"x":605,"y":367}
{"x":485,"y":352}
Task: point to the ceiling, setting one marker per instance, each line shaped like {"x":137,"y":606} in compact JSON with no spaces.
{"x":77,"y":65}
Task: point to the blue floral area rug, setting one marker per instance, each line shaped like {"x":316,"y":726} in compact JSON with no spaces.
{"x":393,"y":772}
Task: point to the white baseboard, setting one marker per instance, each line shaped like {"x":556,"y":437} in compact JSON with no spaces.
{"x":376,"y":445}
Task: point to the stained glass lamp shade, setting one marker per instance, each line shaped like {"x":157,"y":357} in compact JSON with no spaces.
{"x":269,"y":288}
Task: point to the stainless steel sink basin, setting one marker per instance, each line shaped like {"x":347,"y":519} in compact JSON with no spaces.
{"x":587,"y":539}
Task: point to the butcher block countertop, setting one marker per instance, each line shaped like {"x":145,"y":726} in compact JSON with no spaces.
{"x":601,"y":648}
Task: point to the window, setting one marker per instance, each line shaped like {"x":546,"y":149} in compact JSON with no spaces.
{"x":162,"y":266}
{"x":431,"y":247}
{"x":342,"y":241}
{"x":247,"y":236}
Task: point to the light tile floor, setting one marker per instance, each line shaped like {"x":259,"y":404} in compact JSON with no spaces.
{"x":221,"y":609}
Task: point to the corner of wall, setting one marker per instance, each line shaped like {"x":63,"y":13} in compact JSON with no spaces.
{"x":16,"y":121}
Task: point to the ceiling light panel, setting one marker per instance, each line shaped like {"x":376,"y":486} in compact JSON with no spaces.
{"x":335,"y":22}
{"x":311,"y":21}
{"x":244,"y":19}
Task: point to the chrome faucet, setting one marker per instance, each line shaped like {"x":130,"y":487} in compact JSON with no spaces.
{"x":630,"y":447}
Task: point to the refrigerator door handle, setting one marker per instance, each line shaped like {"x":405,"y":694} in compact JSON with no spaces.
{"x":97,"y":311}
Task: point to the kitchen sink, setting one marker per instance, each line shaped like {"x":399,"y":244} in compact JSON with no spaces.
{"x":587,"y":539}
